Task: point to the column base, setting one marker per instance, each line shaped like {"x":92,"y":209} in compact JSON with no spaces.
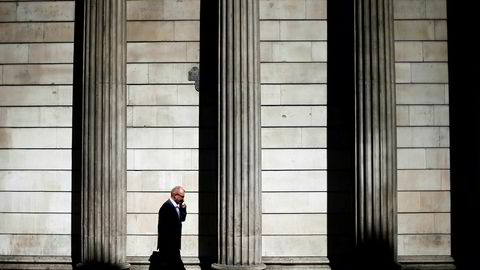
{"x":238,"y":267}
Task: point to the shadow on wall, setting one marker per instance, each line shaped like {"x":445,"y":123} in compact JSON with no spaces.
{"x":464,"y":133}
{"x":340,"y":135}
{"x":77,"y":134}
{"x":208,"y":139}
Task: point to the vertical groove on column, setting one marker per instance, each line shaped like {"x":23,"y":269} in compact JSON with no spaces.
{"x":239,"y":220}
{"x":104,"y":128}
{"x":375,"y":125}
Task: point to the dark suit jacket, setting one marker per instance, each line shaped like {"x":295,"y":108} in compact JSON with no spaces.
{"x":170,"y":227}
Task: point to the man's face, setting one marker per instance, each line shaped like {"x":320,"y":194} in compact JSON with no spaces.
{"x":179,"y":196}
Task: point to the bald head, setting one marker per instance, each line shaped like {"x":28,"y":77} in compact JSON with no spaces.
{"x":178,"y":194}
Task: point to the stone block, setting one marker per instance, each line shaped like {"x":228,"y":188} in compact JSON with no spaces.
{"x":46,"y":11}
{"x":45,"y":202}
{"x":314,"y":137}
{"x":17,"y":223}
{"x":35,"y":245}
{"x":169,"y":73}
{"x":429,"y":72}
{"x":145,"y":10}
{"x":319,"y":51}
{"x":162,"y":180}
{"x":282,"y":9}
{"x":422,"y":137}
{"x":8,"y":12}
{"x":432,"y":201}
{"x":50,"y":53}
{"x":303,"y":30}
{"x":287,"y":246}
{"x":36,"y":180}
{"x":409,"y":9}
{"x":187,"y":31}
{"x":284,"y":159}
{"x":35,"y":95}
{"x":442,"y":116}
{"x":157,"y":52}
{"x":291,"y":224}
{"x":163,"y":10}
{"x":269,"y":30}
{"x":35,"y":138}
{"x":150,"y":31}
{"x":411,"y":159}
{"x":21,"y":32}
{"x":437,"y":158}
{"x":286,"y":51}
{"x":441,"y":30}
{"x":38,"y":74}
{"x":151,"y":94}
{"x":149,"y":138}
{"x":287,"y":202}
{"x":408,"y":51}
{"x":35,"y":159}
{"x":281,"y":138}
{"x":13,"y":53}
{"x":403,"y":73}
{"x":137,"y":73}
{"x":402,"y":115}
{"x":177,"y":116}
{"x":416,"y":223}
{"x":436,"y":9}
{"x":424,"y":180}
{"x":435,"y":51}
{"x":421,"y":94}
{"x":270,"y":94}
{"x":150,"y":202}
{"x":294,"y":73}
{"x":44,"y":116}
{"x":193,"y":52}
{"x":294,"y":181}
{"x":414,"y":30}
{"x":316,"y":9}
{"x":442,"y":223}
{"x":303,"y":94}
{"x":421,"y":115}
{"x":162,"y":159}
{"x":185,"y":137}
{"x":188,"y":95}
{"x":58,"y":32}
{"x":294,"y":116}
{"x":417,"y":245}
{"x":424,"y":223}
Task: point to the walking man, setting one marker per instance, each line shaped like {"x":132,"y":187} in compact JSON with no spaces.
{"x":170,"y":217}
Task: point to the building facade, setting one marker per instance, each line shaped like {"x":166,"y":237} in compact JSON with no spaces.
{"x":319,"y":131}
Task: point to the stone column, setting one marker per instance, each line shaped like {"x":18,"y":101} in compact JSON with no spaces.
{"x":239,"y":195}
{"x":103,"y":188}
{"x":375,"y":130}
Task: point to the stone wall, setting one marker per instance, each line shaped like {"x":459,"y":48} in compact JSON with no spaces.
{"x":422,"y":128}
{"x":163,"y":118}
{"x":36,"y":56}
{"x":293,"y":36}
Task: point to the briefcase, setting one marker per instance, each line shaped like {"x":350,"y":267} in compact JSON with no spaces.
{"x":157,"y":261}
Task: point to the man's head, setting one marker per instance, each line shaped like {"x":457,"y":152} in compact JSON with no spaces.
{"x":178,"y":194}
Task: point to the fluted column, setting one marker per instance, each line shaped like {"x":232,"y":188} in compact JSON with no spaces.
{"x":239,"y":213}
{"x":103,"y":190}
{"x":375,"y":128}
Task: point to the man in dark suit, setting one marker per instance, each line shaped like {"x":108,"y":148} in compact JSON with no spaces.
{"x":170,"y":217}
